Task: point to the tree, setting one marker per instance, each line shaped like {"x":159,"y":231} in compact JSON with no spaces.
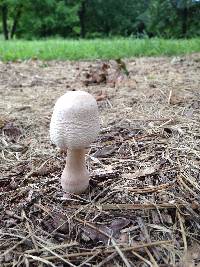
{"x":174,"y":18}
{"x":50,"y":18}
{"x":4,"y":14}
{"x":111,"y":17}
{"x":10,"y":13}
{"x":82,"y":14}
{"x":99,"y":18}
{"x":184,"y":9}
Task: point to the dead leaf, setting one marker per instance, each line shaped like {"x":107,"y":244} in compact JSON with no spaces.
{"x":17,"y":148}
{"x":101,"y":96}
{"x":113,"y":229}
{"x":144,"y":172}
{"x":59,"y":222}
{"x":105,"y":66}
{"x":160,"y":228}
{"x":118,"y":224}
{"x":11,"y":130}
{"x":105,"y":151}
{"x":96,"y":75}
{"x":95,"y":235}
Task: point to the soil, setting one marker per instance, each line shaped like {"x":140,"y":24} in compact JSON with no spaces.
{"x":142,"y":206}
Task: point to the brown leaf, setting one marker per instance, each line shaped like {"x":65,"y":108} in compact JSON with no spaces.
{"x":11,"y":130}
{"x":113,"y":229}
{"x":95,"y":235}
{"x":96,"y":76}
{"x":105,"y":151}
{"x":17,"y":148}
{"x":118,"y":224}
{"x":101,"y":96}
{"x":105,"y":66}
{"x":144,"y":172}
{"x":60,"y":222}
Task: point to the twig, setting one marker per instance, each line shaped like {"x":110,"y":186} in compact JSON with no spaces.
{"x":141,"y":258}
{"x":29,"y":229}
{"x":146,"y":235}
{"x":182,"y":231}
{"x":51,"y":248}
{"x":106,"y":251}
{"x":180,"y":181}
{"x":195,"y":184}
{"x":89,"y":259}
{"x":40,"y":259}
{"x":165,"y":123}
{"x":148,"y":189}
{"x":12,"y":248}
{"x":121,"y":254}
{"x":107,"y":259}
{"x":54,"y":253}
{"x":119,"y":251}
{"x":151,"y":257}
{"x":105,"y":207}
{"x":169,"y":97}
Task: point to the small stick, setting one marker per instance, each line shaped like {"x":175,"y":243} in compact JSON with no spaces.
{"x":169,"y":98}
{"x":107,"y":259}
{"x":121,"y":254}
{"x":180,"y":181}
{"x":148,"y":189}
{"x":146,"y":235}
{"x":106,"y":207}
{"x":151,"y":257}
{"x":165,"y":123}
{"x":119,"y":251}
{"x":182,"y":231}
{"x":29,"y":230}
{"x":54,"y":253}
{"x":12,"y":248}
{"x":40,"y":259}
{"x":90,"y":253}
{"x":141,"y":258}
{"x":89,"y":259}
{"x":51,"y":248}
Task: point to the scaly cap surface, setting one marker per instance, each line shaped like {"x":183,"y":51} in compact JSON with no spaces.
{"x":75,"y":120}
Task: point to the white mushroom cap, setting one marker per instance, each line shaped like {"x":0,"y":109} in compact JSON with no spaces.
{"x":75,"y":120}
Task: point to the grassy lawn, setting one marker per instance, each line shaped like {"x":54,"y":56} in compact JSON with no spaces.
{"x":95,"y":49}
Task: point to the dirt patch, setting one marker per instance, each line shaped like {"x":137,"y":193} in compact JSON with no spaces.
{"x":143,"y":204}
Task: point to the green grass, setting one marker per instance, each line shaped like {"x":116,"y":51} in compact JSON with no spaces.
{"x":95,"y":49}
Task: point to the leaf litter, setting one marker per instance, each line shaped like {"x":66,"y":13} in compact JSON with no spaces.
{"x":142,"y":207}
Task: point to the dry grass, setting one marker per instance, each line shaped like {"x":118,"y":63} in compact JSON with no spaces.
{"x":142,"y":207}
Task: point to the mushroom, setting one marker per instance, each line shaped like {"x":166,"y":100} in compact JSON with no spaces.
{"x":74,"y":126}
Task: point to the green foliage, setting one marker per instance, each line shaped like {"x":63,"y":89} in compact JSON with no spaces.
{"x":115,"y":17}
{"x":49,"y":18}
{"x":33,"y":19}
{"x":174,"y":18}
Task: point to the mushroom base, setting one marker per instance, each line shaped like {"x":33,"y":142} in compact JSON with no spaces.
{"x":75,"y":177}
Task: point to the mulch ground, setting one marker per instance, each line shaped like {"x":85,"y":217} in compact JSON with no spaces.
{"x":142,"y":207}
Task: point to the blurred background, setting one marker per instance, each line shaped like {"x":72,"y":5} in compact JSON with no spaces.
{"x":36,"y":19}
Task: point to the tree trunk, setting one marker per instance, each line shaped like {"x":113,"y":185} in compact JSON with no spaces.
{"x":184,"y":21}
{"x":107,"y":29}
{"x":81,"y":14}
{"x":16,"y":19}
{"x":4,"y":10}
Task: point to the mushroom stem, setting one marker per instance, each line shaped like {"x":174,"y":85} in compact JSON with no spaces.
{"x":75,"y":177}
